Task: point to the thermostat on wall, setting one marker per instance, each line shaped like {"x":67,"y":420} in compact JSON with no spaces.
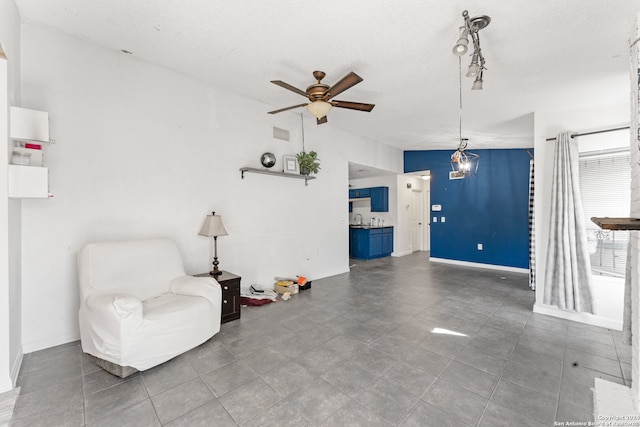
{"x":436,"y":208}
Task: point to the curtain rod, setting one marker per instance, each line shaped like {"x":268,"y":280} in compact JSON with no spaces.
{"x":592,"y":133}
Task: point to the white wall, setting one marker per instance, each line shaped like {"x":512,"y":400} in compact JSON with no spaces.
{"x":143,"y":151}
{"x":548,"y":125}
{"x":10,"y":300}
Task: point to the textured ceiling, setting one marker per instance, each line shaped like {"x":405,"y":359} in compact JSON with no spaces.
{"x":541,"y":55}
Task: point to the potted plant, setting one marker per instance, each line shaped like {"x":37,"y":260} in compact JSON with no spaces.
{"x":309,"y":162}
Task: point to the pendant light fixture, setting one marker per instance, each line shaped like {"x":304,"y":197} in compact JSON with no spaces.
{"x":471,"y":28}
{"x":463,"y":163}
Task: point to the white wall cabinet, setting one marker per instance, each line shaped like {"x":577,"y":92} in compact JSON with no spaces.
{"x":28,"y":181}
{"x":29,"y":127}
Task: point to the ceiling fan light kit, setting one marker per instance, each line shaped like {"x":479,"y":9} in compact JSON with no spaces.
{"x":319,"y":109}
{"x":472,"y":27}
{"x":320,"y":96}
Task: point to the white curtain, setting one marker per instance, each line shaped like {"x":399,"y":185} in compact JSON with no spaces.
{"x":532,"y":230}
{"x":568,"y":272}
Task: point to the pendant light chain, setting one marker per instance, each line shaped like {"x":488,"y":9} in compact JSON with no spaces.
{"x":460,"y":92}
{"x":461,"y":144}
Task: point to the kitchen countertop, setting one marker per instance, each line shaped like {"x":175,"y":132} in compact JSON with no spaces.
{"x":367,"y":227}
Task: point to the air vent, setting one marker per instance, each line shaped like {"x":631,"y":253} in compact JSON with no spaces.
{"x":456,"y":175}
{"x":279,"y":133}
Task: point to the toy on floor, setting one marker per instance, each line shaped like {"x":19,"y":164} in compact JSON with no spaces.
{"x":291,"y":285}
{"x":303,"y":283}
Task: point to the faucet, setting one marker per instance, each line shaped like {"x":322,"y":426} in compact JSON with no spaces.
{"x":359,"y":222}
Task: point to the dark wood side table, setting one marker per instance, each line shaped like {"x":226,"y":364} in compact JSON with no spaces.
{"x":230,"y":284}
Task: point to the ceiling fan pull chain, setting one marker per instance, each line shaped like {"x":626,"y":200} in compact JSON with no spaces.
{"x":302,"y":127}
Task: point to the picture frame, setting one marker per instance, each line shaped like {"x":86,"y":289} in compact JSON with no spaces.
{"x":290,"y":164}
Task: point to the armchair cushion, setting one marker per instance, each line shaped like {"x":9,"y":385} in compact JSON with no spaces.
{"x":138,"y":308}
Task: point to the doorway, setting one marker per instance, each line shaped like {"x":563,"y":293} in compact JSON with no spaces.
{"x":417,"y":221}
{"x":419,"y":215}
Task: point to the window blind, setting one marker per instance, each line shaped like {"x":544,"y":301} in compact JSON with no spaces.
{"x":605,"y":184}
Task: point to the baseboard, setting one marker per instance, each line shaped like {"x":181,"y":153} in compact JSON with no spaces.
{"x":585,"y":318}
{"x":399,"y":254}
{"x":9,"y":383}
{"x":48,"y":343}
{"x":480,"y":265}
{"x":15,"y":368}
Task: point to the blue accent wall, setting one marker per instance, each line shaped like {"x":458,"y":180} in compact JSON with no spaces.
{"x":491,"y":207}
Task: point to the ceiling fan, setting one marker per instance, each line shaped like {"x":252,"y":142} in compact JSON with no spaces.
{"x":320,"y":96}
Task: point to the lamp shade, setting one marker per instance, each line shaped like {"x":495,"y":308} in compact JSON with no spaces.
{"x":319,"y":109}
{"x":213,"y":226}
{"x":460,"y":48}
{"x":473,"y":71}
{"x":461,"y":45}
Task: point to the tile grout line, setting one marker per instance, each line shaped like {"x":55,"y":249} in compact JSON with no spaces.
{"x":495,"y":387}
{"x":624,"y":380}
{"x":84,"y":400}
{"x":146,"y":390}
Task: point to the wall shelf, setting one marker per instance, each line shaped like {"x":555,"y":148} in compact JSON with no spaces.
{"x":273,"y":173}
{"x":607,"y":223}
{"x":28,"y":182}
{"x":30,"y":125}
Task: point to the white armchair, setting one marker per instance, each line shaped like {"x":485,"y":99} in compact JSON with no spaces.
{"x":138,"y":308}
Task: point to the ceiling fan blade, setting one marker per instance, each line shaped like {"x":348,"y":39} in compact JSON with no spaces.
{"x":345,"y":83}
{"x":288,"y":86}
{"x":287,"y":108}
{"x":353,"y":105}
{"x":322,"y":120}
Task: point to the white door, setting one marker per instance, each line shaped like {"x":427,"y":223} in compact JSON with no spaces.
{"x":416,"y":220}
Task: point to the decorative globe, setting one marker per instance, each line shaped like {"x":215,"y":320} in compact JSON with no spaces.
{"x":268,"y":160}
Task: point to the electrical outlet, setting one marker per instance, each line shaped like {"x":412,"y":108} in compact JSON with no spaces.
{"x":435,"y":219}
{"x":441,"y":219}
{"x":479,"y":246}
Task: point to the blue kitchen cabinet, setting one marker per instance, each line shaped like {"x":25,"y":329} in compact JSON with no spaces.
{"x":359,"y":243}
{"x":359,"y":193}
{"x":387,"y":241}
{"x":375,"y":243}
{"x":379,"y":199}
{"x":370,"y":243}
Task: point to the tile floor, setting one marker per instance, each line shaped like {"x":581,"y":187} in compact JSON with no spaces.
{"x":395,"y":342}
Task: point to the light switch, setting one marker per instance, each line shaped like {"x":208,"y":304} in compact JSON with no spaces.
{"x":479,"y":246}
{"x":435,"y":219}
{"x":441,"y":219}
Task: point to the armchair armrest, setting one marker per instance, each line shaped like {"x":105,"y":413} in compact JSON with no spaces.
{"x":205,"y":287}
{"x":114,"y":314}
